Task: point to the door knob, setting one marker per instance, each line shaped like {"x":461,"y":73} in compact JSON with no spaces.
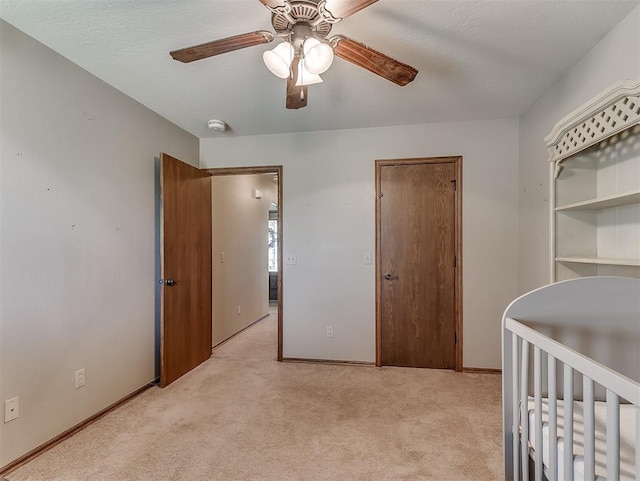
{"x":170,"y":282}
{"x":390,"y":277}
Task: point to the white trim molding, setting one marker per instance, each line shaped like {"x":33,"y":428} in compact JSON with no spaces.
{"x":608,"y":113}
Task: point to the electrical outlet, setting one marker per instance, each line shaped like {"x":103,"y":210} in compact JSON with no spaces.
{"x":80,"y":378}
{"x":222,"y":258}
{"x":239,"y":309}
{"x":11,"y":409}
{"x":291,"y":260}
{"x":329,"y":331}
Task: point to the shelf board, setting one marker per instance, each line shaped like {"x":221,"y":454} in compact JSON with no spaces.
{"x":611,"y":261}
{"x":617,"y":200}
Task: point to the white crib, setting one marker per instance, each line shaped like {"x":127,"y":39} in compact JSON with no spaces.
{"x":571,"y":372}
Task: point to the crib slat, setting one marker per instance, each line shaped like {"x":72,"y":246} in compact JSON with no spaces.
{"x":553,"y":418}
{"x":568,"y":423}
{"x":589,"y":428}
{"x":524,"y":411}
{"x":613,"y":435}
{"x":537,"y":383}
{"x":515,"y":406}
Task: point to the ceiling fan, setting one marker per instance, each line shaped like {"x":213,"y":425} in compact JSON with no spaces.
{"x":307,"y":51}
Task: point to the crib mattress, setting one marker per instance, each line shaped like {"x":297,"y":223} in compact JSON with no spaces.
{"x":628,"y":439}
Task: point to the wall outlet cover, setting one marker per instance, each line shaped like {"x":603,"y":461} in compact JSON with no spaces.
{"x":291,"y":260}
{"x":80,"y":378}
{"x":11,"y":409}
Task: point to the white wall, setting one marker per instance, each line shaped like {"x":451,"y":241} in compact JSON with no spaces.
{"x":615,"y":57}
{"x":329,"y":220}
{"x":77,"y":240}
{"x":240,"y":232}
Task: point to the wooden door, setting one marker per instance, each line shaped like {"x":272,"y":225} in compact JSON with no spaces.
{"x":417,"y":263}
{"x":185,"y":233}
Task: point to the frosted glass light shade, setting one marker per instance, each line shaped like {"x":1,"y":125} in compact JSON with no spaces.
{"x":278,"y":60}
{"x":318,"y":56}
{"x":305,"y":77}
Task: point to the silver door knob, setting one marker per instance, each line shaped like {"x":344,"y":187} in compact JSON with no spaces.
{"x":390,"y":277}
{"x":170,"y":282}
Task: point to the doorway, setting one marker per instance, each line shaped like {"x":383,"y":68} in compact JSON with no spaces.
{"x":419,"y":262}
{"x":259,"y":195}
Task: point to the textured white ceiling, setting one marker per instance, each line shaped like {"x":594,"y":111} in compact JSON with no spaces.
{"x":476,"y":59}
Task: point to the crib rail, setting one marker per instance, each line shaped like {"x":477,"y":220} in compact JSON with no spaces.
{"x":525,"y":343}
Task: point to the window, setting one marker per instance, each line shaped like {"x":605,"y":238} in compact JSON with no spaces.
{"x":272,"y":242}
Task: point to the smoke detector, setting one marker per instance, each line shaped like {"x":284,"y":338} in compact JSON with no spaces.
{"x":217,"y":125}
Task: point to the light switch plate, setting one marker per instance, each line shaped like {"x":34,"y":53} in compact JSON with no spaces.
{"x":366,"y":258}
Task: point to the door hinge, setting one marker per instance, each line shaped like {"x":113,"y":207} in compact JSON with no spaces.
{"x":454,"y":182}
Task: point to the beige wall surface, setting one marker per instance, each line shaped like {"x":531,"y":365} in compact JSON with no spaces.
{"x":329,"y":224}
{"x":76,"y":240}
{"x":616,"y":57}
{"x":240,"y":264}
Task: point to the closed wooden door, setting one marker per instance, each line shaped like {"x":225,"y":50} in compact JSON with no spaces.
{"x":185,"y":320}
{"x":417,"y":262}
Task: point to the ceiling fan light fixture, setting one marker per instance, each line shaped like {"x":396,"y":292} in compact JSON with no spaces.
{"x":305,"y":77}
{"x":318,"y":56}
{"x":278,"y":60}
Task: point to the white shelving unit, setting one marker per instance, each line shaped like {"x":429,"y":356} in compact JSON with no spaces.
{"x":595,"y":186}
{"x":616,"y":200}
{"x":607,"y":261}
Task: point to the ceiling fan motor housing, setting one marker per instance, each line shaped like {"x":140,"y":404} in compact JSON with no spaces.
{"x":300,"y":12}
{"x":299,"y":33}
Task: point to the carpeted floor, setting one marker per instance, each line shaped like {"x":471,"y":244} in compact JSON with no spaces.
{"x":244,"y":416}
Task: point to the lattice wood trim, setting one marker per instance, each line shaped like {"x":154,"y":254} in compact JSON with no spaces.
{"x":612,"y":111}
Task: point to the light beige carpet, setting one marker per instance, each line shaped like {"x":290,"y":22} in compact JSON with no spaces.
{"x":244,"y":416}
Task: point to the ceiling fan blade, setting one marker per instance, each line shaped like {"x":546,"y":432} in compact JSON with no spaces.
{"x":224,"y":45}
{"x":339,"y":9}
{"x":296,"y":95}
{"x":374,"y":61}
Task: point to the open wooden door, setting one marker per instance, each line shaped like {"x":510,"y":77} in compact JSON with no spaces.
{"x":185,"y":266}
